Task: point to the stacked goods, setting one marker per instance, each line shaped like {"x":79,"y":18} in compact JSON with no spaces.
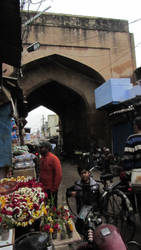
{"x":22,"y":158}
{"x":24,"y":161}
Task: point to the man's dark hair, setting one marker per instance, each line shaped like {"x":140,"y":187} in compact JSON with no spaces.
{"x":46,"y":144}
{"x":137,"y":122}
{"x":82,"y":168}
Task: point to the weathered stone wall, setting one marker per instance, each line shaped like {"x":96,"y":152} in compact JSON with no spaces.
{"x":102,"y":44}
{"x":77,"y":54}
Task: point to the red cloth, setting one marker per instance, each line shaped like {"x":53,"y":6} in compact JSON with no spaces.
{"x":50,"y":172}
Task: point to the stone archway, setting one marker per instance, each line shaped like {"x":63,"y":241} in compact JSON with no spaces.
{"x":67,"y":88}
{"x":71,"y":108}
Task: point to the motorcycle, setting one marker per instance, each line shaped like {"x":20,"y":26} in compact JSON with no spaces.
{"x":96,"y":234}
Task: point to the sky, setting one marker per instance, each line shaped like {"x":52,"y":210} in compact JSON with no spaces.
{"x":121,"y":9}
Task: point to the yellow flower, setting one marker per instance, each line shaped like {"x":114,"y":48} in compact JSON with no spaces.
{"x":18,"y":224}
{"x":13,"y":178}
{"x":51,"y":230}
{"x":71,"y":227}
{"x":24,"y":224}
{"x":36,"y":214}
{"x":28,"y":199}
{"x":2,"y":198}
{"x":31,"y":221}
{"x":50,"y":219}
{"x":2,"y":201}
{"x":44,"y":211}
{"x":30,"y":205}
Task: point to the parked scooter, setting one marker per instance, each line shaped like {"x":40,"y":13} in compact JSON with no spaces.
{"x":96,"y":234}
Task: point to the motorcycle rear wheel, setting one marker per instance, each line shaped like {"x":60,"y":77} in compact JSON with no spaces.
{"x":116,"y":209}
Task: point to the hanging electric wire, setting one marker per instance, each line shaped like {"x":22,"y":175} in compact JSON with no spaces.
{"x":134,"y":21}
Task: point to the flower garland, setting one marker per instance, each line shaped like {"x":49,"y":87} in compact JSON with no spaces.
{"x":17,"y":179}
{"x":25,"y":205}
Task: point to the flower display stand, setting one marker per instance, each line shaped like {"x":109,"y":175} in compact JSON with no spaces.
{"x":28,"y":209}
{"x":75,"y":237}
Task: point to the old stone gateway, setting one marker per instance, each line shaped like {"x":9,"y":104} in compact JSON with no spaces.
{"x":77,"y":54}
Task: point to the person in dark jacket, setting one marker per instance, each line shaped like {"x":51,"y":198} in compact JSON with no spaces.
{"x":50,"y":171}
{"x":86,"y":193}
{"x":132,"y":151}
{"x":85,"y":190}
{"x":132,"y":154}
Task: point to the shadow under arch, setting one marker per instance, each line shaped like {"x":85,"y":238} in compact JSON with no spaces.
{"x":71,"y":109}
{"x":66,"y":87}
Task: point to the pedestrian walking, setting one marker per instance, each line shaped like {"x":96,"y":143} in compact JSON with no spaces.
{"x":50,"y":173}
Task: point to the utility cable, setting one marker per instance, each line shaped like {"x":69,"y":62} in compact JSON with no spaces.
{"x":137,"y":20}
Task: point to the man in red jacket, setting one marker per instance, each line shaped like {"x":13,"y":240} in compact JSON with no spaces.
{"x":50,"y":171}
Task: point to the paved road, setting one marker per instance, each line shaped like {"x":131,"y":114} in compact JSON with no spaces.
{"x":69,"y":176}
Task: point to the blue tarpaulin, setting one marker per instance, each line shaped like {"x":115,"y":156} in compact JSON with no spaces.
{"x":5,"y":135}
{"x":113,"y":91}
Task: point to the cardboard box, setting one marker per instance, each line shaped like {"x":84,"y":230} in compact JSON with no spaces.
{"x":25,"y":172}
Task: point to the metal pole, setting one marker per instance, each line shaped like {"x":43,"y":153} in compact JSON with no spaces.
{"x":21,"y":137}
{"x":43,"y":125}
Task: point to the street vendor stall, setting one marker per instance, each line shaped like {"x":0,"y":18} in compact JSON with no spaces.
{"x":25,"y":207}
